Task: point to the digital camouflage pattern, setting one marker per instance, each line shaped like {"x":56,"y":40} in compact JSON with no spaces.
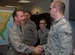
{"x":59,"y":38}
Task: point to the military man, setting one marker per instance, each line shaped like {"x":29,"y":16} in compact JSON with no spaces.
{"x":17,"y":45}
{"x":60,"y":35}
{"x":43,"y":31}
{"x":30,"y":30}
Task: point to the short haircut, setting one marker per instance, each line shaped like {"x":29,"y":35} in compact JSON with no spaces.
{"x":28,"y":12}
{"x":44,"y":20}
{"x":15,"y":13}
{"x":60,"y":5}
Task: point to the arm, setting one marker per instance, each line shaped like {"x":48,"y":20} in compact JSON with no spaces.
{"x":15,"y":40}
{"x":34,"y":34}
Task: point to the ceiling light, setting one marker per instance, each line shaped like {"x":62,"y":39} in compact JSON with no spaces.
{"x":24,"y":1}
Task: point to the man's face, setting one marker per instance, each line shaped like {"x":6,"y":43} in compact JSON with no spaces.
{"x":20,"y":17}
{"x":52,"y":10}
{"x":27,"y":16}
{"x":42,"y":24}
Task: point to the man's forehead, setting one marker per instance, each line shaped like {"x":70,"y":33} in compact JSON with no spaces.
{"x":42,"y":20}
{"x":20,"y":12}
{"x":52,"y":4}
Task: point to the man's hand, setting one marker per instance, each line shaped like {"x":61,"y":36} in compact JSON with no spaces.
{"x":38,"y":49}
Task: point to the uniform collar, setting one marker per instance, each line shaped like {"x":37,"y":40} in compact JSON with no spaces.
{"x":56,"y":21}
{"x":43,"y":30}
{"x":28,"y":20}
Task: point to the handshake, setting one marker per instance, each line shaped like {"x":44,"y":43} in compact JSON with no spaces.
{"x":38,"y":49}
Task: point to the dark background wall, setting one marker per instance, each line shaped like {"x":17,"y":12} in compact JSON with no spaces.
{"x":72,"y":10}
{"x":73,"y":27}
{"x":3,"y":49}
{"x":72,"y":18}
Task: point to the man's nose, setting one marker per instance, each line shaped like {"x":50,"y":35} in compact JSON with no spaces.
{"x":24,"y":18}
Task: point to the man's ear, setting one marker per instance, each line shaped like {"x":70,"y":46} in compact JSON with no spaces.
{"x":15,"y":18}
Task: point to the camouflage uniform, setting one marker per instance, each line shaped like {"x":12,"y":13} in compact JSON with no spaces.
{"x":17,"y":45}
{"x":30,"y":33}
{"x":43,"y":34}
{"x":59,"y":39}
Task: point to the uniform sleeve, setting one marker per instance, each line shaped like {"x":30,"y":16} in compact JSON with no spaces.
{"x":17,"y":44}
{"x":34,"y":34}
{"x":65,"y":38}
